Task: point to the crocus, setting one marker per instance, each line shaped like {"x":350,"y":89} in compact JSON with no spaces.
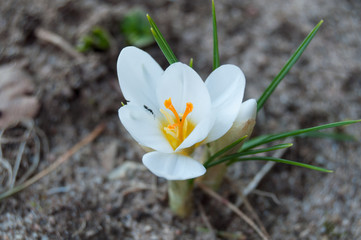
{"x":172,"y":112}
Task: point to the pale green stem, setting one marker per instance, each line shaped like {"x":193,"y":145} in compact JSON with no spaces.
{"x":214,"y":176}
{"x":181,"y":197}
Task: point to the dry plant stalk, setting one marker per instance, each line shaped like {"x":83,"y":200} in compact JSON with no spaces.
{"x":62,"y":159}
{"x":232,"y":207}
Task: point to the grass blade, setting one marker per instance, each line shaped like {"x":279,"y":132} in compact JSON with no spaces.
{"x":272,"y":137}
{"x":280,"y":160}
{"x":224,"y":150}
{"x":162,"y":43}
{"x":334,"y":136}
{"x":232,"y":157}
{"x":287,"y":67}
{"x":216,"y":62}
{"x":191,"y":62}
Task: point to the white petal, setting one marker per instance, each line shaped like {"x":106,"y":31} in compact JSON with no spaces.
{"x":226,"y":87}
{"x":144,"y":127}
{"x":248,"y":110}
{"x":173,"y":166}
{"x":243,"y":125}
{"x":182,"y":84}
{"x":199,"y":133}
{"x":138,"y":74}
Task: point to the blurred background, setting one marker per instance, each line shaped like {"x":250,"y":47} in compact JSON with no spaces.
{"x":58,"y":82}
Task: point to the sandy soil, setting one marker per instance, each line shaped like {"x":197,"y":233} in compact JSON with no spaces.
{"x":79,"y":91}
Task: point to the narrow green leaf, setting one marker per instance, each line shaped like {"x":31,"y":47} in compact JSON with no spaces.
{"x":216,"y":62}
{"x":334,"y":136}
{"x":272,"y":137}
{"x":287,"y":67}
{"x":261,"y":150}
{"x":231,"y":158}
{"x":280,"y":160}
{"x":191,"y":62}
{"x":162,"y":43}
{"x":223,"y":150}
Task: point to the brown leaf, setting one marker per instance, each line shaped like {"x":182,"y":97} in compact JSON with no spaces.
{"x":16,"y":102}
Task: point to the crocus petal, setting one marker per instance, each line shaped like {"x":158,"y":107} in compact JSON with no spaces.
{"x":173,"y":166}
{"x":182,"y":84}
{"x":247,"y":111}
{"x":144,"y":127}
{"x":243,"y":125}
{"x":226,"y":87}
{"x":199,"y":133}
{"x":138,"y":74}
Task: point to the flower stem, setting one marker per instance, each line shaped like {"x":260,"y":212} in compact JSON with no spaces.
{"x":214,"y":176}
{"x":181,"y":197}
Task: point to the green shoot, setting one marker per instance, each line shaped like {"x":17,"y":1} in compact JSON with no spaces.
{"x":334,"y":136}
{"x":135,"y":29}
{"x":272,"y":137}
{"x":231,"y":158}
{"x":162,"y":43}
{"x":216,"y":62}
{"x":224,"y":150}
{"x":98,"y":39}
{"x":280,"y":160}
{"x":191,"y":62}
{"x":287,"y":67}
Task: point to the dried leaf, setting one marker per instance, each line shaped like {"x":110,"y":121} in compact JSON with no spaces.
{"x":16,"y":101}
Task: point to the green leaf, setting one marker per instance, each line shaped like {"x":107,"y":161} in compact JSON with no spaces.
{"x":162,"y":43}
{"x":272,"y":137}
{"x":216,"y":62}
{"x":230,"y":158}
{"x":334,"y":136}
{"x":287,"y":67}
{"x":280,"y":160}
{"x":224,"y":150}
{"x":97,"y":39}
{"x":191,"y":62}
{"x":135,"y":29}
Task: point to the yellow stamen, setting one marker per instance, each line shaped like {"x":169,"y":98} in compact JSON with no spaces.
{"x":179,"y":128}
{"x":172,"y":126}
{"x":167,"y":116}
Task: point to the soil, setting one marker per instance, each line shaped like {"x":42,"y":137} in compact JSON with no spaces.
{"x":78,"y":91}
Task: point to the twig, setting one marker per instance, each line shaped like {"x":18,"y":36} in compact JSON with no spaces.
{"x":267,"y":194}
{"x":44,"y":140}
{"x":255,"y":216}
{"x":58,"y":41}
{"x":231,"y":206}
{"x":29,"y":125}
{"x":6,"y":165}
{"x":23,"y":139}
{"x":259,"y":176}
{"x":257,"y":179}
{"x":206,"y":221}
{"x":63,"y":158}
{"x":35,"y":160}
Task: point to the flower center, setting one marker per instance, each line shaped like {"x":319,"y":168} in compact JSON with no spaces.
{"x":177,"y":127}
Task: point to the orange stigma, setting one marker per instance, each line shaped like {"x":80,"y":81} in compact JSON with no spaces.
{"x":178,"y":127}
{"x":168,"y":104}
{"x":189,"y":109}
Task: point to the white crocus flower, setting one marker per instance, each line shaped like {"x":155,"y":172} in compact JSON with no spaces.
{"x":242,"y":125}
{"x":172,"y":112}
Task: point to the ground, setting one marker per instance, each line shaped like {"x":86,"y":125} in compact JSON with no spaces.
{"x":78,"y":91}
